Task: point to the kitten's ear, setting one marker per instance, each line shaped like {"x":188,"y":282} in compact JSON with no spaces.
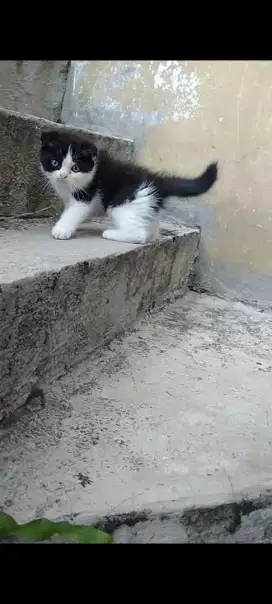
{"x":48,"y":136}
{"x":89,"y":150}
{"x":94,"y":151}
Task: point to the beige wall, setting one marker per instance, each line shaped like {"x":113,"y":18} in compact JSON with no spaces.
{"x":183,"y":115}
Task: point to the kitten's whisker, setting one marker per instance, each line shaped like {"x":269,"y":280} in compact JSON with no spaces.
{"x":46,"y":186}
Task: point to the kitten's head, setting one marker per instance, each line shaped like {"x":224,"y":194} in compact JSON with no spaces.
{"x":68,"y":159}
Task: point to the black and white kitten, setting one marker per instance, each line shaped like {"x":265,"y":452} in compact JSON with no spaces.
{"x":91,"y":182}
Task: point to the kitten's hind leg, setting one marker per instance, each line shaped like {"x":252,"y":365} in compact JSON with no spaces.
{"x":124,"y":236}
{"x":135,"y":217}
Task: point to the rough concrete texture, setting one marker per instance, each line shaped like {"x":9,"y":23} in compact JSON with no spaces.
{"x":22,"y":187}
{"x":61,"y":300}
{"x":176,"y":412}
{"x":243,"y":521}
{"x":33,"y":87}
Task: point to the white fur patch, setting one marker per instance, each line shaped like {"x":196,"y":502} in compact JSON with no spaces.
{"x":70,"y":220}
{"x":136,"y":220}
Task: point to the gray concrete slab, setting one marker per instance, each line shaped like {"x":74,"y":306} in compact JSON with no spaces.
{"x":34,"y":87}
{"x":30,"y":250}
{"x":247,"y":519}
{"x":176,"y":414}
{"x":60,"y":300}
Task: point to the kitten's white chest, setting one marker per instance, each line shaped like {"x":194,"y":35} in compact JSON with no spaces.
{"x":63,"y":191}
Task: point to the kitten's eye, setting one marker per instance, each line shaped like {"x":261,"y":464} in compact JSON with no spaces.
{"x":54,"y":163}
{"x":75,"y":168}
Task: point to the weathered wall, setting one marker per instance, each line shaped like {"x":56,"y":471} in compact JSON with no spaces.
{"x":34,"y":87}
{"x":183,"y":115}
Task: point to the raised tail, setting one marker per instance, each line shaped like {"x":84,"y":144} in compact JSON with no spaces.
{"x":188,"y":187}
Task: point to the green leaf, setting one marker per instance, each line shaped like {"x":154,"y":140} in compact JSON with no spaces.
{"x":7,"y":524}
{"x":35,"y":530}
{"x":42,"y":529}
{"x":81,"y":533}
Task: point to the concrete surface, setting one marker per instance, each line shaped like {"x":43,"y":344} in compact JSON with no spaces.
{"x":182,"y":115}
{"x":174,"y":415}
{"x":61,"y":300}
{"x":246,"y":520}
{"x":22,"y":187}
{"x":33,"y":87}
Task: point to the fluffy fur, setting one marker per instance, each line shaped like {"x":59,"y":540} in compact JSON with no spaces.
{"x":90,"y":183}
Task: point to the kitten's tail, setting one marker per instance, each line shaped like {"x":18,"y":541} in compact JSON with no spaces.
{"x":188,"y":187}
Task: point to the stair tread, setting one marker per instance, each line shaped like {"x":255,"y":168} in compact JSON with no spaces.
{"x":32,"y":250}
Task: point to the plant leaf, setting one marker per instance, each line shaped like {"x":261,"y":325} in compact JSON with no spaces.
{"x":35,"y":530}
{"x":7,"y":524}
{"x":42,"y":529}
{"x":81,"y":533}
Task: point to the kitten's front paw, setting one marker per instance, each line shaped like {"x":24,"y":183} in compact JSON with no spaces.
{"x":59,"y":232}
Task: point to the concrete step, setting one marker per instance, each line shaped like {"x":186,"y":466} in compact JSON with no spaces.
{"x":174,"y":415}
{"x":59,"y":301}
{"x":21,"y":183}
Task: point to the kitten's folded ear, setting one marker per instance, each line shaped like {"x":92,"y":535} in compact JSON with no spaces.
{"x":89,"y":149}
{"x":48,"y":135}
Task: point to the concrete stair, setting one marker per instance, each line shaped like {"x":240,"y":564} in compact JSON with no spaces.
{"x":62,"y":300}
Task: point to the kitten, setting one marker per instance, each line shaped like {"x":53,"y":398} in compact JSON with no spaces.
{"x":91,"y":182}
